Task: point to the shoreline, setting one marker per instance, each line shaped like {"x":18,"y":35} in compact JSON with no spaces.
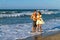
{"x":45,"y":36}
{"x":52,"y":36}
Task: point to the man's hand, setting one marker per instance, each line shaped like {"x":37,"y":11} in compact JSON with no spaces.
{"x":31,"y":16}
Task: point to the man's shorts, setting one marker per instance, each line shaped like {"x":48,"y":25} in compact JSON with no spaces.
{"x":34,"y":24}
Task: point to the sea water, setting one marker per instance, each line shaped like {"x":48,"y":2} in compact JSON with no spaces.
{"x":15,"y":24}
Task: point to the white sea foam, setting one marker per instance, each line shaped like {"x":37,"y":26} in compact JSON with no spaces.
{"x":20,"y":31}
{"x":53,"y":30}
{"x":49,"y":12}
{"x":51,"y":24}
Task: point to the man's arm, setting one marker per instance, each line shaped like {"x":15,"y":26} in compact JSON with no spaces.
{"x":31,"y":16}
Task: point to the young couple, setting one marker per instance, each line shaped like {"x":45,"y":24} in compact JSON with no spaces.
{"x":37,"y":21}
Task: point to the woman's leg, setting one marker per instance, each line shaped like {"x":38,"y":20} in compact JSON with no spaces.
{"x":37,"y":28}
{"x":40,"y":27}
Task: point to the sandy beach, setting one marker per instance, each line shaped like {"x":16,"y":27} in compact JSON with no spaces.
{"x":52,"y":37}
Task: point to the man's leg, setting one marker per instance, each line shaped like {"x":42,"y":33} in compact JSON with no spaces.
{"x":33,"y":29}
{"x":34,"y":26}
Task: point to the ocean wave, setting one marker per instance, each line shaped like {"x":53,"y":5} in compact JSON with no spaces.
{"x":28,"y":13}
{"x":15,"y":14}
{"x":49,"y":12}
{"x":54,"y":30}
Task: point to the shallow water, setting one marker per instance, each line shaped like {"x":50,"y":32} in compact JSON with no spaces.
{"x":12,"y":28}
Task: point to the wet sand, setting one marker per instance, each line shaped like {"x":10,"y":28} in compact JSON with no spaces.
{"x":53,"y":36}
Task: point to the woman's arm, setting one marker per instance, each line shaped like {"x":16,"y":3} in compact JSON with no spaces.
{"x":39,"y":18}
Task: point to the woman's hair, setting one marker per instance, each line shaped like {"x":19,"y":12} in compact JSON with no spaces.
{"x":39,"y":12}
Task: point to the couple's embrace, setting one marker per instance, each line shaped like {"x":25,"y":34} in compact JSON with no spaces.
{"x":37,"y":21}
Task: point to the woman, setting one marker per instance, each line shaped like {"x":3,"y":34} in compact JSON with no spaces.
{"x":39,"y":22}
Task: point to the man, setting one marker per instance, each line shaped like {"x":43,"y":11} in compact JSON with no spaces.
{"x":33,"y":17}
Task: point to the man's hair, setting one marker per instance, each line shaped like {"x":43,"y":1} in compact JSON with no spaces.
{"x":34,"y":10}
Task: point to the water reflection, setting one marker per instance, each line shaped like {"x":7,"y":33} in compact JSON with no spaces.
{"x":38,"y":37}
